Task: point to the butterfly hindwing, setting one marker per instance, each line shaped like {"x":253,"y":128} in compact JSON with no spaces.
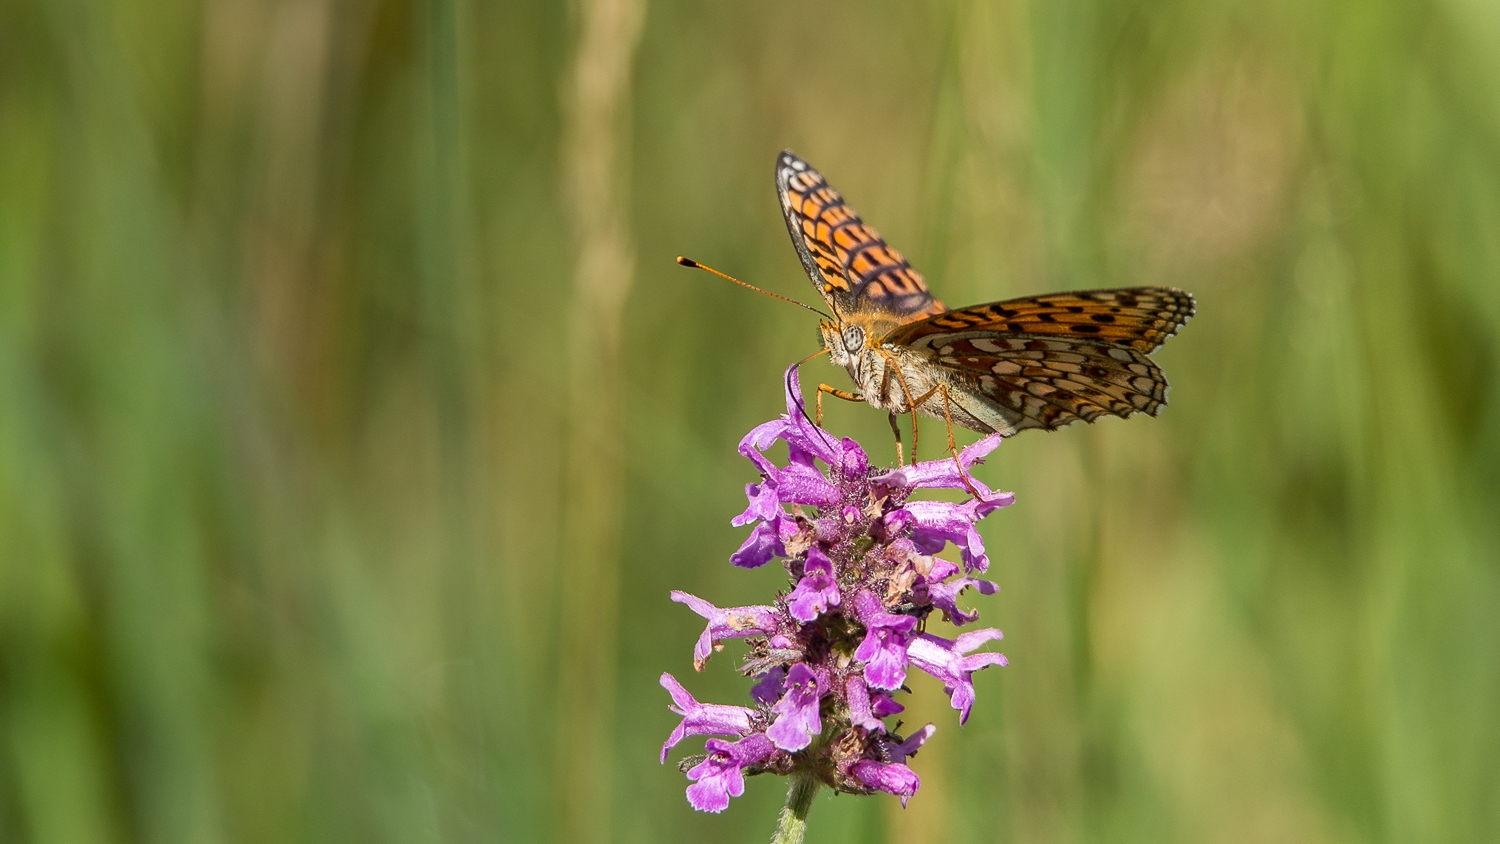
{"x":850,"y":264}
{"x":1048,"y":382}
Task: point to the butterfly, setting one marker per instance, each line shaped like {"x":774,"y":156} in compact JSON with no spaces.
{"x":1034,"y":362}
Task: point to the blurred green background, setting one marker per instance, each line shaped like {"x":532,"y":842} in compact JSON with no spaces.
{"x":355,"y":421}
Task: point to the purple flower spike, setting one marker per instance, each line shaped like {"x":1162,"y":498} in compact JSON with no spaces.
{"x":817,"y":590}
{"x":797,"y":718}
{"x":733,"y":623}
{"x":700,"y":719}
{"x":829,"y":655}
{"x":946,"y":660}
{"x":719,"y":777}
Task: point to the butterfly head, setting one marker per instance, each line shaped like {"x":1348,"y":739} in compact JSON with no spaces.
{"x":844,"y":342}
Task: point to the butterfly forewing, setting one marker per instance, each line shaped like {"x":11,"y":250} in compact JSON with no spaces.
{"x":1139,"y":317}
{"x":852,"y":266}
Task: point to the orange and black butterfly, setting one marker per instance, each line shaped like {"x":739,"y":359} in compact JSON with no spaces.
{"x":1035,"y":362}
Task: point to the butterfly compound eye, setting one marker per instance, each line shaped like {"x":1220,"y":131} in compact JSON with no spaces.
{"x":854,"y":339}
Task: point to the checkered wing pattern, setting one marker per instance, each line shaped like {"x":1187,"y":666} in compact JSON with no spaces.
{"x":1047,"y":361}
{"x":850,"y":264}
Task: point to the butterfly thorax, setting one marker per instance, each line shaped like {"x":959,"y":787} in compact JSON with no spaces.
{"x":887,"y":376}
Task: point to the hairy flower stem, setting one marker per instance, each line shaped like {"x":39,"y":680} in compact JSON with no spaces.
{"x":799,"y":797}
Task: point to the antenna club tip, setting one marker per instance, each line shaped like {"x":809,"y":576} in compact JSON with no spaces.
{"x":686,"y":262}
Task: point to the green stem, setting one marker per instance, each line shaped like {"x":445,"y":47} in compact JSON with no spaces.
{"x":799,"y":797}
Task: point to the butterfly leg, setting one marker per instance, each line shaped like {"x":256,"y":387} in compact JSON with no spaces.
{"x":885,"y":390}
{"x":953,"y":445}
{"x":836,"y":393}
{"x":896,"y":429}
{"x":911,"y":407}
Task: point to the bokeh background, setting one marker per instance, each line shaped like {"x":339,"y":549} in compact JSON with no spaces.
{"x":355,"y":421}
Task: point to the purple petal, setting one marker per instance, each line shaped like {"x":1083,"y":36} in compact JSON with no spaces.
{"x":702,"y":718}
{"x":872,"y":613}
{"x":759,"y":547}
{"x":944,"y":596}
{"x":854,"y":463}
{"x":769,"y":689}
{"x":944,"y":660}
{"x":758,"y":440}
{"x":861,"y":713}
{"x":817,"y":590}
{"x":969,"y":641}
{"x":732,"y":623}
{"x":798,"y":719}
{"x":799,"y":484}
{"x":909,"y":746}
{"x":928,"y":543}
{"x":896,"y":523}
{"x":939,"y":521}
{"x":941,"y":570}
{"x":764,"y":504}
{"x":883,"y":650}
{"x":719,"y":777}
{"x":884,"y":706}
{"x":893,"y":778}
{"x":943,"y":473}
{"x":800,"y":432}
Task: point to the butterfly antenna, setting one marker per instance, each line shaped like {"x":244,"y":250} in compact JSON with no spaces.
{"x":689,"y":262}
